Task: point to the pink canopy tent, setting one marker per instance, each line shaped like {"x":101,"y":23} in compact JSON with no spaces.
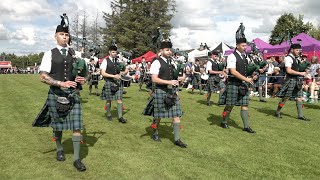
{"x":148,"y":56}
{"x":261,"y":45}
{"x":310,"y":47}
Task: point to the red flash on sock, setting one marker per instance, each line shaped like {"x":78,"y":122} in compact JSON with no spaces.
{"x":281,"y":105}
{"x":105,"y":107}
{"x":154,"y":126}
{"x":54,"y":139}
{"x":224,"y":114}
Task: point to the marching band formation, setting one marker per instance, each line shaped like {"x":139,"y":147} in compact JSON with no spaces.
{"x":233,"y":79}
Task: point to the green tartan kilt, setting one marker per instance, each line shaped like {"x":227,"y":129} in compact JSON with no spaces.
{"x":106,"y":93}
{"x":196,"y":80}
{"x":149,"y":109}
{"x":157,"y":107}
{"x":93,"y":82}
{"x":213,"y":83}
{"x":290,"y":89}
{"x":73,"y":121}
{"x":231,"y":97}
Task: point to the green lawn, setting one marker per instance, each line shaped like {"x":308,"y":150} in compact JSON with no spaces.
{"x":281,"y":149}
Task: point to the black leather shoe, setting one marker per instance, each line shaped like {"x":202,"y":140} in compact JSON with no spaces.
{"x":60,"y":156}
{"x":98,"y":94}
{"x":224,"y":125}
{"x":277,"y":115}
{"x":79,"y":165}
{"x":122,"y":120}
{"x":155,"y":137}
{"x":262,"y":100}
{"x":249,"y":130}
{"x":303,"y":118}
{"x":180,"y":143}
{"x":109,"y":118}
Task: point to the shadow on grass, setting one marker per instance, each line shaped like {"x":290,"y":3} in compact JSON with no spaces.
{"x":271,"y":112}
{"x":216,"y":120}
{"x":89,"y":140}
{"x":204,"y":102}
{"x":165,"y":130}
{"x":311,"y":106}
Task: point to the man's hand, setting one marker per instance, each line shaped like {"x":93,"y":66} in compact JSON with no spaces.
{"x":174,"y":83}
{"x":80,"y":80}
{"x":249,"y":80}
{"x":68,"y":84}
{"x":117,"y":76}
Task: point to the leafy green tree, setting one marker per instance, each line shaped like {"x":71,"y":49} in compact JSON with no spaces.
{"x":286,"y":25}
{"x":133,"y":22}
{"x":315,"y":32}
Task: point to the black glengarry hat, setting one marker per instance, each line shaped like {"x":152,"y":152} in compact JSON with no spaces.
{"x":165,"y":44}
{"x":60,"y":28}
{"x":295,"y":46}
{"x":113,"y":48}
{"x":241,"y":40}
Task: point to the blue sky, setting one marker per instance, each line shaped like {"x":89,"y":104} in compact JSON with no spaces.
{"x":28,"y":26}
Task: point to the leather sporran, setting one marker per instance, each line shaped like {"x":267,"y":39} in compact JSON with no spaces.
{"x":114,"y":87}
{"x":299,"y":83}
{"x":63,"y":106}
{"x":243,"y":89}
{"x":170,"y":99}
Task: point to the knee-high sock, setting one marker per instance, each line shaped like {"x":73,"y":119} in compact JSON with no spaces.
{"x":245,"y":118}
{"x":209,"y":96}
{"x":176,"y":131}
{"x":280,"y":105}
{"x":90,"y":88}
{"x":226,"y":114}
{"x":155,"y":125}
{"x":299,"y":108}
{"x":97,"y":89}
{"x":260,"y":92}
{"x":76,"y":146}
{"x":58,"y":136}
{"x":108,"y":106}
{"x":119,"y":110}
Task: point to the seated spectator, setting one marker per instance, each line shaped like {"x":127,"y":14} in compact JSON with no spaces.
{"x":314,"y":87}
{"x":275,"y":81}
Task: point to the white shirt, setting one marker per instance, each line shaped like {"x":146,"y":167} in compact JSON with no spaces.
{"x":155,"y":66}
{"x":288,"y":61}
{"x":104,"y":63}
{"x":47,"y":58}
{"x":232,"y":60}
{"x":209,"y":66}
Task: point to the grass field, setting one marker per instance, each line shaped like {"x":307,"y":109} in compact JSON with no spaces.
{"x":281,"y":149}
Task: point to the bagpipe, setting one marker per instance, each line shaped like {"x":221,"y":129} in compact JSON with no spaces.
{"x":178,"y":72}
{"x":80,"y":67}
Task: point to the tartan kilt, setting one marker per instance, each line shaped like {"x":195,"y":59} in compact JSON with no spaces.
{"x":91,"y":82}
{"x":196,"y":80}
{"x":231,"y":97}
{"x":106,"y":93}
{"x":212,"y":84}
{"x":149,"y":109}
{"x":73,"y":121}
{"x":160,"y":110}
{"x":290,"y":89}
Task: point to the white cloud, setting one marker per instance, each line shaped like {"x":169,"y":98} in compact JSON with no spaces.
{"x":27,"y":26}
